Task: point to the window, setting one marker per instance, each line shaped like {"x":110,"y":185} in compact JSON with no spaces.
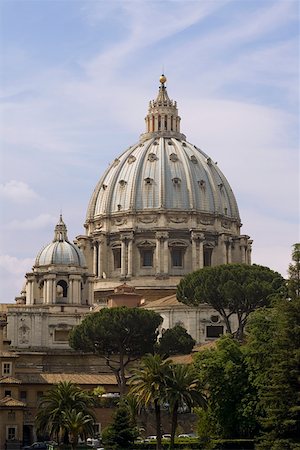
{"x":117,"y":258}
{"x":147,"y":258}
{"x":214,"y":331}
{"x":7,"y":393}
{"x":177,"y":257}
{"x":39,"y":394}
{"x":61,"y":289}
{"x":6,"y":368}
{"x":207,"y":257}
{"x":61,"y":335}
{"x":23,"y":396}
{"x":11,"y":433}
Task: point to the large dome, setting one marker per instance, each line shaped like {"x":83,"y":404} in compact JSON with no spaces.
{"x":60,"y":251}
{"x":161,"y":210}
{"x":163,"y":173}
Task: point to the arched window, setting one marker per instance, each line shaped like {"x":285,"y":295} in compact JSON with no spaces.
{"x":61,"y":289}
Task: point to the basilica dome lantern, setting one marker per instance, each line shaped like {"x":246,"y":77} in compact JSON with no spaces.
{"x":162,"y":209}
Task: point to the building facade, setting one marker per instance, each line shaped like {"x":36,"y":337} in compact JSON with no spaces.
{"x":161,"y":210}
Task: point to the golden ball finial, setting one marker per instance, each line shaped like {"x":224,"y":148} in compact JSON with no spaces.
{"x":162,"y":79}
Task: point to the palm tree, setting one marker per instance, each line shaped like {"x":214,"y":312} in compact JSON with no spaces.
{"x":78,"y":424}
{"x":148,"y":385}
{"x":183,"y":388}
{"x":58,"y":401}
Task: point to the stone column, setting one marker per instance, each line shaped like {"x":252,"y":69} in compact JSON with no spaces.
{"x":201,"y":250}
{"x":50,"y":287}
{"x":229,"y":249}
{"x":76,"y":289}
{"x":166,"y":256}
{"x":197,"y":241}
{"x":249,"y":250}
{"x":130,"y":258}
{"x":100,"y":260}
{"x":224,"y":249}
{"x":243,"y":251}
{"x":157,"y":254}
{"x":95,"y":268}
{"x":70,"y":291}
{"x":123,"y":258}
{"x":90,"y":282}
{"x":162,"y":253}
{"x":156,"y":122}
{"x":194,"y":254}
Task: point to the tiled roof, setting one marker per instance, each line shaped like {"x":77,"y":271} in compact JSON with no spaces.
{"x":77,"y":378}
{"x":11,"y":402}
{"x":10,"y":380}
{"x":188,"y":359}
{"x":166,"y":302}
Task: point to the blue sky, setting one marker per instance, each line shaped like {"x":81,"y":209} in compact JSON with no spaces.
{"x":75,"y":84}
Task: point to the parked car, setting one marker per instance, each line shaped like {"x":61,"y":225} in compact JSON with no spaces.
{"x":150,"y":438}
{"x":166,"y":436}
{"x":36,"y":446}
{"x":187,"y":435}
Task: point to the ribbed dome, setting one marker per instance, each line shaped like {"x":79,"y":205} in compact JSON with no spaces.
{"x":163,"y":172}
{"x":60,"y":251}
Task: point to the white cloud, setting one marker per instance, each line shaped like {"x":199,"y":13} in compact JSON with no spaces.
{"x":12,"y":272}
{"x":14,"y":265}
{"x":17,"y":191}
{"x":36,"y":223}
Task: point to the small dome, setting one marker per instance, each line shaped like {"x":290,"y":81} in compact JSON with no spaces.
{"x":60,"y":251}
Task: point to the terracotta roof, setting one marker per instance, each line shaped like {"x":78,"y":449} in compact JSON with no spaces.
{"x":188,"y":359}
{"x":166,"y":302}
{"x":10,"y":380}
{"x":11,"y":402}
{"x":77,"y":378}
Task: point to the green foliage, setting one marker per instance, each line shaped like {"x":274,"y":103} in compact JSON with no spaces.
{"x":158,"y":381}
{"x":183,"y":388}
{"x":148,"y":386}
{"x":122,"y":432}
{"x":294,"y":274}
{"x":58,"y":405}
{"x":119,"y":334}
{"x":231,"y":399}
{"x":231,"y":288}
{"x":175,"y":341}
{"x":273,"y":356}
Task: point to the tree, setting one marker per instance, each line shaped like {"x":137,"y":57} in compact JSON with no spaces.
{"x":231,"y":289}
{"x":122,"y":432}
{"x":120,"y":335}
{"x":273,"y":356}
{"x":78,"y":424}
{"x":294,"y":274}
{"x":175,"y":341}
{"x":182,"y":389}
{"x":231,"y":399}
{"x":57,"y":404}
{"x":148,"y":385}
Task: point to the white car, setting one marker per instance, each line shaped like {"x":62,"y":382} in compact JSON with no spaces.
{"x":150,"y":438}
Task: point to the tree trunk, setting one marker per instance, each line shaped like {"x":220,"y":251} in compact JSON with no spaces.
{"x":174,"y":424}
{"x":158,"y":424}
